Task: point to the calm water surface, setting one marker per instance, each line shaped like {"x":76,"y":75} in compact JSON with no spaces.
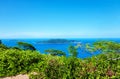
{"x":41,"y":47}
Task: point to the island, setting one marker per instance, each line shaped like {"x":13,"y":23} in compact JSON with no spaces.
{"x":56,"y":41}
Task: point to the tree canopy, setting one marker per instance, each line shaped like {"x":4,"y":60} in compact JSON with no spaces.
{"x":104,"y":46}
{"x":55,"y":52}
{"x":26,"y":46}
{"x":73,"y":51}
{"x":0,"y":41}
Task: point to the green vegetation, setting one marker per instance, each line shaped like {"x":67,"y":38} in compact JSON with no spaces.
{"x":57,"y":41}
{"x":104,"y":66}
{"x":73,"y":51}
{"x":0,"y":42}
{"x":3,"y":47}
{"x":104,"y":46}
{"x":25,"y":46}
{"x":55,"y":52}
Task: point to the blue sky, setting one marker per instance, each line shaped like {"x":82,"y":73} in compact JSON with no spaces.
{"x":59,"y":18}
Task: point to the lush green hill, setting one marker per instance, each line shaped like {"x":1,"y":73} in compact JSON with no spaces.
{"x":14,"y":61}
{"x":57,"y":41}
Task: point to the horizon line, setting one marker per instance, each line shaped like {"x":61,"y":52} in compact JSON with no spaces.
{"x":67,"y":38}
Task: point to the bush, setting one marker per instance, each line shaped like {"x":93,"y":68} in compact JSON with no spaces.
{"x":14,"y":61}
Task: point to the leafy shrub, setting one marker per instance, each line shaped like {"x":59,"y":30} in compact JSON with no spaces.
{"x":14,"y":61}
{"x":3,"y":47}
{"x":55,"y":69}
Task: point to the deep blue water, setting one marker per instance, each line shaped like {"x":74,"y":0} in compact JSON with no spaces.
{"x":41,"y":47}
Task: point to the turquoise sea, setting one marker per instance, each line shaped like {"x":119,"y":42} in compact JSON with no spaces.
{"x":41,"y":46}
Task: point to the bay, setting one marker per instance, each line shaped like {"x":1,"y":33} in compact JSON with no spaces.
{"x":41,"y":47}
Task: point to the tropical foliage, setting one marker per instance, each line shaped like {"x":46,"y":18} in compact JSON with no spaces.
{"x":73,"y":51}
{"x":0,"y":42}
{"x":26,"y":46}
{"x":104,"y":46}
{"x":55,"y":52}
{"x":102,"y":66}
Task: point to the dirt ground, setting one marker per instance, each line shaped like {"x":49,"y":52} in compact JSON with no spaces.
{"x":17,"y":77}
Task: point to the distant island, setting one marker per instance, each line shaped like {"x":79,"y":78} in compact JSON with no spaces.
{"x":57,"y":41}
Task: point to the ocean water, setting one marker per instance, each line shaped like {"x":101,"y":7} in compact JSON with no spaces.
{"x":64,"y":47}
